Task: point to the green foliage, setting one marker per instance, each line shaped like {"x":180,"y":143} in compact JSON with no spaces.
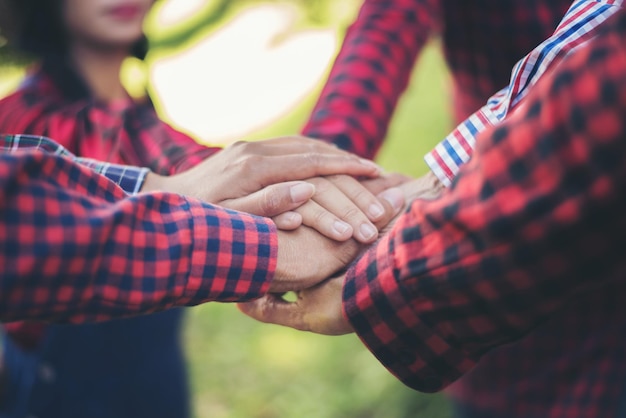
{"x":213,"y":14}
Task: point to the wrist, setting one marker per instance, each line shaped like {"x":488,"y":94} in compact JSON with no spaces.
{"x":153,"y":183}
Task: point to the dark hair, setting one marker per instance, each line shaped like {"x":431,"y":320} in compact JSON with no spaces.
{"x":36,"y":27}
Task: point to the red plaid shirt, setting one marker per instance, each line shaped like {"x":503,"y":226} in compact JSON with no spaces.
{"x":55,"y":102}
{"x":520,"y":267}
{"x":73,"y":250}
{"x":482,"y":41}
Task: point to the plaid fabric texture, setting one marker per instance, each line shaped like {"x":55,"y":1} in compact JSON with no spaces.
{"x":520,"y":266}
{"x":130,"y":179}
{"x":75,"y":247}
{"x":54,"y":102}
{"x":482,"y":40}
{"x":576,"y":28}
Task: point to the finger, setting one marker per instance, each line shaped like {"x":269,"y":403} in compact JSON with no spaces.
{"x":384,"y":182}
{"x":288,"y":221}
{"x":332,"y":202}
{"x":427,"y":187}
{"x":394,"y":202}
{"x":272,"y":309}
{"x":296,"y":145}
{"x":358,"y":194}
{"x":277,"y":169}
{"x":273,"y":200}
{"x":324,"y":221}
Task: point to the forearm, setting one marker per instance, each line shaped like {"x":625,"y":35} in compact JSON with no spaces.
{"x":370,"y":73}
{"x":535,"y":217}
{"x":579,"y":25}
{"x":76,"y":248}
{"x":165,"y":150}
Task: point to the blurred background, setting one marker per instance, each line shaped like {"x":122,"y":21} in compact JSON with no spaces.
{"x":226,"y":70}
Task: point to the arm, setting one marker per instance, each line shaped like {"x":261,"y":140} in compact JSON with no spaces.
{"x":535,"y":217}
{"x":370,"y":73}
{"x":75,"y":247}
{"x":577,"y":27}
{"x":130,"y":179}
{"x":153,"y":143}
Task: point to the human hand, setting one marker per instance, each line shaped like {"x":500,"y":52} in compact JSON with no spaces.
{"x":247,"y":176}
{"x":318,"y":309}
{"x":306,"y":257}
{"x":343,"y":208}
{"x":427,"y":187}
{"x":244,"y":168}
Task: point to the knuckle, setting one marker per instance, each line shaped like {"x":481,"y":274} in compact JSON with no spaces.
{"x":271,"y":201}
{"x":321,"y":216}
{"x":337,"y":178}
{"x":249,"y":163}
{"x":313,"y":159}
{"x":322,"y":186}
{"x":352,"y":212}
{"x":361,"y":194}
{"x":239,"y":144}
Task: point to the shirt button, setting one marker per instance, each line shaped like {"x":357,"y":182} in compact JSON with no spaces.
{"x":46,"y":373}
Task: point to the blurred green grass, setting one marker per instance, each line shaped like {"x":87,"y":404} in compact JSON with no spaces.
{"x":242,"y":369}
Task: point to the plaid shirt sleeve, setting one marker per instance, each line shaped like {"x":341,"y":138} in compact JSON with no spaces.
{"x":577,"y":27}
{"x":370,"y":73}
{"x":155,"y":144}
{"x":130,"y":179}
{"x":537,"y":215}
{"x":75,"y":247}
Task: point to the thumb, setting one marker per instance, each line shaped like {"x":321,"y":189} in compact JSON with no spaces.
{"x":273,"y":309}
{"x":273,"y":200}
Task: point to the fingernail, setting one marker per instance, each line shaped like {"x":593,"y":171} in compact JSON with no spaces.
{"x":371,"y":163}
{"x":368,"y":231}
{"x":341,"y":227}
{"x":394,"y":196}
{"x":301,"y":192}
{"x":376,"y":210}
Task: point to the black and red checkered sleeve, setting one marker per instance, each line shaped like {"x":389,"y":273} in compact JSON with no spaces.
{"x":89,"y":129}
{"x":370,"y":73}
{"x":154,"y":144}
{"x":74,"y":247}
{"x":535,"y":217}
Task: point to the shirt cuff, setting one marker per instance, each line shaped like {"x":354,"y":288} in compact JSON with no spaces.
{"x":379,"y":309}
{"x":446,"y":159}
{"x":234,"y":255}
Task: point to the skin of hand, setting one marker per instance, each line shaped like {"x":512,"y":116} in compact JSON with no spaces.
{"x":339,"y":206}
{"x":266,"y":178}
{"x":344,"y":208}
{"x":306,"y":257}
{"x":319,"y":308}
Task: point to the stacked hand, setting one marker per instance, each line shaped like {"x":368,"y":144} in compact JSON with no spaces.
{"x":320,"y":308}
{"x":295,"y":181}
{"x":326,"y":203}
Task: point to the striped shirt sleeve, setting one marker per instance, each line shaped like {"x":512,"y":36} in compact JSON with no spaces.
{"x":577,"y":27}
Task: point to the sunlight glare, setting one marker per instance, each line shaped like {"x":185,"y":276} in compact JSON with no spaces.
{"x":240,"y":78}
{"x":175,"y":11}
